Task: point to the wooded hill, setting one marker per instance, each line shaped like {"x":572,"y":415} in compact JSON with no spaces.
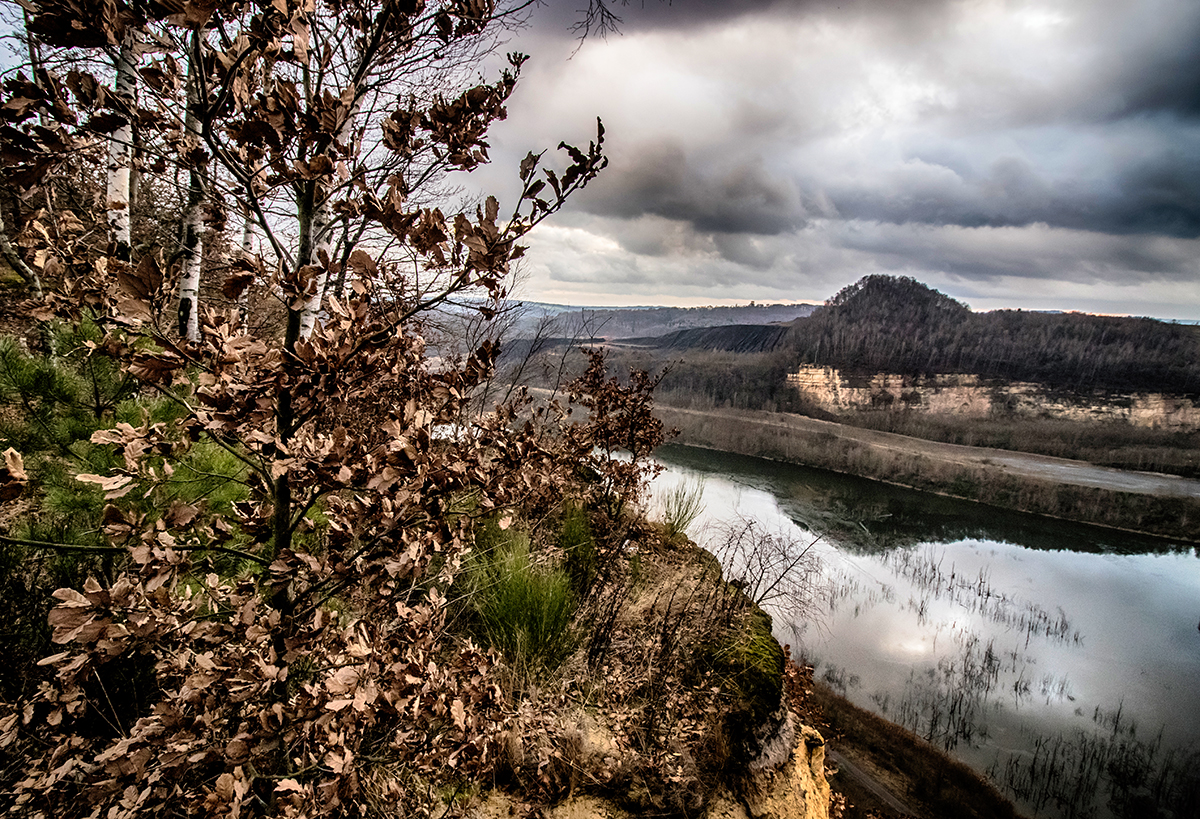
{"x":734,"y":338}
{"x":898,"y":325}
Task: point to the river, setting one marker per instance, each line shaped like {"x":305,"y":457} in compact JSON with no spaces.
{"x":1061,"y":660}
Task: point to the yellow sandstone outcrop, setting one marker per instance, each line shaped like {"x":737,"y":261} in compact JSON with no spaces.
{"x":794,"y":789}
{"x":968,"y":395}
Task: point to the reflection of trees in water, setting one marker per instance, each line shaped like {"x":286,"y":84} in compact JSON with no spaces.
{"x":948,"y":704}
{"x":869,"y":517}
{"x":1107,"y":771}
{"x":839,"y":679}
{"x":975,"y":595}
{"x":843,"y":588}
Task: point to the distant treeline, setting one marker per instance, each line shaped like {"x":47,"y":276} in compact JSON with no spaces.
{"x":898,"y":325}
{"x":734,"y":338}
{"x":657,"y":321}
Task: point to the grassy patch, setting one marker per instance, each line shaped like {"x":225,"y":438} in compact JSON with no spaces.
{"x":681,"y":505}
{"x":579,"y":546}
{"x":521,"y":607}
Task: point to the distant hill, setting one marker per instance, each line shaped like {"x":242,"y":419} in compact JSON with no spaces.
{"x":644,"y":322}
{"x":898,"y":325}
{"x":734,"y":338}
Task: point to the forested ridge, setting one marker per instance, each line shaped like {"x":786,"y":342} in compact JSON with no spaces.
{"x":898,"y":325}
{"x":888,"y":324}
{"x":737,"y":338}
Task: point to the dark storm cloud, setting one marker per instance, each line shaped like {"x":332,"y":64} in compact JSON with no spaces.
{"x":1148,"y":58}
{"x":1137,"y":66}
{"x":658,"y":179}
{"x":763,"y":143}
{"x":1157,"y":193}
{"x":1166,"y":82}
{"x":564,"y":18}
{"x":1036,"y":253}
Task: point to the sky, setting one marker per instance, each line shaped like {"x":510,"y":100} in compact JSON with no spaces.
{"x":1033,"y":154}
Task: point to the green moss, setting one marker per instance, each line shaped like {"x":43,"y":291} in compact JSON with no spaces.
{"x":749,"y":663}
{"x":709,"y":563}
{"x":753,"y":662}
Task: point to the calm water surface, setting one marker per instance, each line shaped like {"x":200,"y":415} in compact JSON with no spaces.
{"x":1062,"y":660}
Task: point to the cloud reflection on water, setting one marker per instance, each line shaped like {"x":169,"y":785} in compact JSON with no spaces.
{"x":983,"y":631}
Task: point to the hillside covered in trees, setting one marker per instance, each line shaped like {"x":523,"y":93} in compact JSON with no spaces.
{"x":887,"y":324}
{"x":891,"y":325}
{"x":898,"y":325}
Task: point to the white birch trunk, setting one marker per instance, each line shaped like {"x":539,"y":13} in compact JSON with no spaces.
{"x":322,"y":242}
{"x":120,"y":149}
{"x":248,"y":237}
{"x":193,"y":227}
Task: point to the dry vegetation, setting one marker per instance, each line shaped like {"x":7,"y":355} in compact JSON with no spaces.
{"x":1116,"y":445}
{"x":272,"y":555}
{"x":1173,"y":517}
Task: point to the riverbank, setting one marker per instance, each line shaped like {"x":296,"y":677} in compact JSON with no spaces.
{"x":1143,"y":502}
{"x":885,"y":771}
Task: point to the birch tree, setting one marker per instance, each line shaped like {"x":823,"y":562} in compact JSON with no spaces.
{"x":272,"y":655}
{"x":120,"y":146}
{"x":192,"y":227}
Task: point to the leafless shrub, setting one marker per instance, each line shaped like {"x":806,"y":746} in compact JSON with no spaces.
{"x":774,"y":569}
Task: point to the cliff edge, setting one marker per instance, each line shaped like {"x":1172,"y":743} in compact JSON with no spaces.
{"x":678,"y":702}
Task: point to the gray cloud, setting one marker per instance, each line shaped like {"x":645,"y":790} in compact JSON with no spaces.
{"x":1037,"y":252}
{"x":789,"y":148}
{"x":658,"y":179}
{"x":1148,"y":58}
{"x":1156,"y":190}
{"x":561,"y":18}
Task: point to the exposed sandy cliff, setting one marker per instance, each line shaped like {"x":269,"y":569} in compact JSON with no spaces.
{"x":973,"y":397}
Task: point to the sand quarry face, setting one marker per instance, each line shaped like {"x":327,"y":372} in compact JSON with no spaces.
{"x":968,"y":395}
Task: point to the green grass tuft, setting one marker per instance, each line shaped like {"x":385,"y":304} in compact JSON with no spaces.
{"x":522,"y":609}
{"x":579,"y":545}
{"x":681,"y":505}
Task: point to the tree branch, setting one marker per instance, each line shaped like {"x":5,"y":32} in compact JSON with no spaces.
{"x":16,"y":262}
{"x":79,"y":547}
